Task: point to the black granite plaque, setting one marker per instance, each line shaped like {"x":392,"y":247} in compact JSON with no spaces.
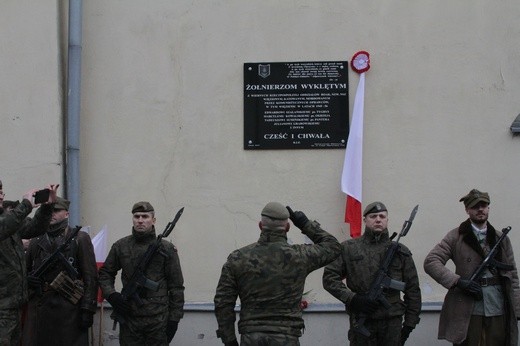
{"x":296,"y":105}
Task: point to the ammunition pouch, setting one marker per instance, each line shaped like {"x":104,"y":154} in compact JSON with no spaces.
{"x":72,"y":290}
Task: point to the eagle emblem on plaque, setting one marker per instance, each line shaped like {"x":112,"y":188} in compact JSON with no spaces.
{"x":264,"y":70}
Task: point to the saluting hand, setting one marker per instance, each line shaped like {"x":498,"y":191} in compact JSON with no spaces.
{"x":298,"y":218}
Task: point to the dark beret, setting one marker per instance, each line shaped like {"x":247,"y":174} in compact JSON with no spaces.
{"x":276,"y":211}
{"x":374,"y":207}
{"x":142,"y":207}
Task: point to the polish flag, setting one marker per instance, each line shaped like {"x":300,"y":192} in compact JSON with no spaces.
{"x":100,"y":251}
{"x":351,"y":178}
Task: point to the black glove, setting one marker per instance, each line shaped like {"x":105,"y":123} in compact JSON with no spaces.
{"x":297,"y":217}
{"x":361,"y":303}
{"x":405,"y":333}
{"x":471,"y":288}
{"x":86,"y":319}
{"x":119,"y":304}
{"x":231,"y":343}
{"x":34,"y":282}
{"x":171,"y":328}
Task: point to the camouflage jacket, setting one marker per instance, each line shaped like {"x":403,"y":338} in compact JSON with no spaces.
{"x":14,"y":226}
{"x":125,"y":255}
{"x":269,"y":277}
{"x":359,"y":262}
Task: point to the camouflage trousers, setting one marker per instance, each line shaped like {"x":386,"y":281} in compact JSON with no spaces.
{"x":268,"y":339}
{"x":384,"y":332}
{"x":144,"y":330}
{"x":10,"y":327}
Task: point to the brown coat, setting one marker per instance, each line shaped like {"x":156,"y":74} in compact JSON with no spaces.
{"x":461,"y":246}
{"x":52,"y":319}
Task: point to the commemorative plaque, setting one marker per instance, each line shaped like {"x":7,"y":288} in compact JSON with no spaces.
{"x":296,"y":105}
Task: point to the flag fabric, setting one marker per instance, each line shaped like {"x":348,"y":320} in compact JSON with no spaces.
{"x":100,"y":251}
{"x":351,"y":177}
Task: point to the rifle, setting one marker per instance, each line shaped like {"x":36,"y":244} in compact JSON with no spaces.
{"x":138,"y":280}
{"x":56,"y":256}
{"x":490,"y":261}
{"x":382,"y":280}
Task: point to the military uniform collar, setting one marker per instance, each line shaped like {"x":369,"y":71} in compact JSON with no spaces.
{"x":270,"y":236}
{"x":143,"y":237}
{"x":375,"y":237}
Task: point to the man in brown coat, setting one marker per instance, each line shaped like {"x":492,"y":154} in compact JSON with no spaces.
{"x":483,"y":312}
{"x":59,"y":314}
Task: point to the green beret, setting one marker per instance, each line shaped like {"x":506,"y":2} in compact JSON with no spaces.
{"x":61,"y":204}
{"x":374,"y":207}
{"x":474,"y":197}
{"x":142,"y":207}
{"x":276,"y":211}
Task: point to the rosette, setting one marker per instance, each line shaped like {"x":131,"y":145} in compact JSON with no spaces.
{"x":360,"y":61}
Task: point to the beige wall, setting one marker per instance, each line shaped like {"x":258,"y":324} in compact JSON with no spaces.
{"x":30,"y":96}
{"x":162,"y":116}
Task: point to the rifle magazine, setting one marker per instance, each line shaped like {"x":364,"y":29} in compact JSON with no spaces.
{"x":72,"y":290}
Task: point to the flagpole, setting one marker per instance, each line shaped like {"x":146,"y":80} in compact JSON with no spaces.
{"x":100,"y":250}
{"x":100,"y":343}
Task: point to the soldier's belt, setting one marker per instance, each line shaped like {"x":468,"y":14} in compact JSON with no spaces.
{"x":72,"y":290}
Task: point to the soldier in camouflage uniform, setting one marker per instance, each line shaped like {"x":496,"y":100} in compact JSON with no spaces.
{"x":269,"y":277}
{"x":15,"y":225}
{"x":155,"y":322}
{"x":359,"y":262}
{"x":52,"y":318}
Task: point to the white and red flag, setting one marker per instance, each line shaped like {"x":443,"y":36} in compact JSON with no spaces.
{"x":101,"y":252}
{"x":351,"y":178}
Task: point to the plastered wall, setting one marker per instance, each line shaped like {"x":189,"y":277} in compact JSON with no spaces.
{"x":162,"y":116}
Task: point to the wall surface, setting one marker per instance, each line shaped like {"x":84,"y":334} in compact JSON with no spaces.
{"x":162,"y":117}
{"x":163,"y":120}
{"x":30,"y":94}
{"x":198,"y":329}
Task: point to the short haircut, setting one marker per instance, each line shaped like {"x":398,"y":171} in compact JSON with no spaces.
{"x":277,"y":225}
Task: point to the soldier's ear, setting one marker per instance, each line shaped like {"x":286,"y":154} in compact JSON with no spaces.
{"x":260,"y":225}
{"x":287,"y":227}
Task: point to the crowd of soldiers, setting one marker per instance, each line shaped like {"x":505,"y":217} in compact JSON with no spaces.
{"x":49,"y":286}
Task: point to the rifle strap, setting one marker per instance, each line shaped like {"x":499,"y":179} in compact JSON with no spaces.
{"x":73,"y":252}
